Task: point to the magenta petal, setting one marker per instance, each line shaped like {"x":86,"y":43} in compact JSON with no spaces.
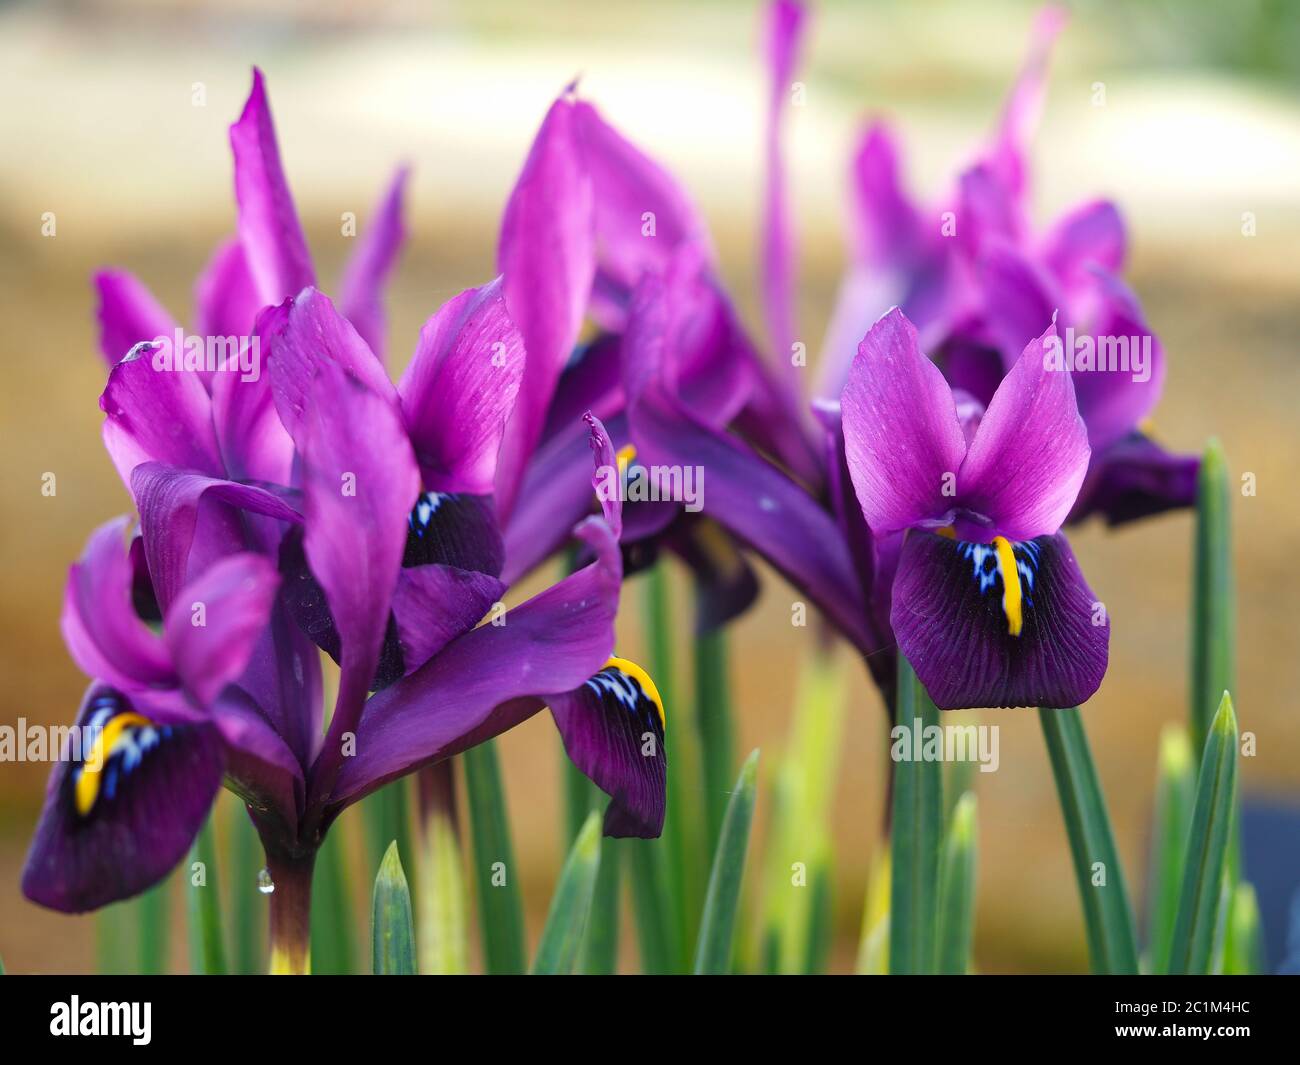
{"x":607,"y":479}
{"x":547,"y":254}
{"x":902,"y":438}
{"x":213,"y":624}
{"x":1090,"y":236}
{"x":632,"y":193}
{"x":360,"y":482}
{"x":128,"y":313}
{"x":460,"y":388}
{"x":157,"y":414}
{"x":304,"y":334}
{"x":887,"y":223}
{"x":1020,"y":299}
{"x":225,"y":296}
{"x":492,"y":677}
{"x":361,"y":289}
{"x":1114,"y":402}
{"x":170,"y":503}
{"x":1030,"y":452}
{"x":100,"y":626}
{"x":784,"y":32}
{"x":269,"y":229}
{"x":952,"y":624}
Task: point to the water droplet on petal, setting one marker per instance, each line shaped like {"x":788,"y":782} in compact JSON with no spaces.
{"x":264,"y":882}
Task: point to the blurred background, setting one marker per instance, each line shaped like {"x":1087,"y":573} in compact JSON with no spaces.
{"x":1201,"y":123}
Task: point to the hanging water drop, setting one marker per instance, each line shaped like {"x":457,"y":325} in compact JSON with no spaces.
{"x":264,"y":882}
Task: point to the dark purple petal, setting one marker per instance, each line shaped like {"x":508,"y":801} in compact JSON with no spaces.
{"x":359,"y":484}
{"x":225,"y":297}
{"x":607,"y":479}
{"x":902,"y":438}
{"x":179,"y":509}
{"x":269,"y":230}
{"x":613,"y":731}
{"x":260,"y":767}
{"x":974,"y":644}
{"x":547,"y":254}
{"x":491,"y":678}
{"x":361,"y":289}
{"x":158,"y":414}
{"x":1136,"y":478}
{"x":460,"y":388}
{"x":761,"y":507}
{"x":433,"y":605}
{"x":128,"y":313}
{"x":1030,"y":452}
{"x":213,"y":625}
{"x":103,"y":632}
{"x":454,"y":530}
{"x":119,"y":816}
{"x":593,"y":381}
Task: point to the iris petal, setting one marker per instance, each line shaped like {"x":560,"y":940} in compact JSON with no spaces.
{"x":122,"y":810}
{"x":956,"y":611}
{"x":613,"y":730}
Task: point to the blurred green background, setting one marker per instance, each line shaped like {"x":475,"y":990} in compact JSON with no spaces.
{"x":1201,"y":123}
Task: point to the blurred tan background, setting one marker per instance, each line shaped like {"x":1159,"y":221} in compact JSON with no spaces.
{"x":1201,"y":123}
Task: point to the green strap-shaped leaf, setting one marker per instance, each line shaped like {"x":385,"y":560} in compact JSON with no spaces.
{"x":1214,"y":626}
{"x":599,"y":955}
{"x":441,"y":896}
{"x":717,"y":929}
{"x":153,"y":913}
{"x":650,"y":905}
{"x":557,"y":953}
{"x":387,"y":817}
{"x":1107,"y":915}
{"x":392,"y":928}
{"x":714,"y":724}
{"x":957,"y":889}
{"x":1207,"y":847}
{"x":333,"y":952}
{"x":679,"y":851}
{"x":500,"y":908}
{"x":1175,"y":790}
{"x":203,"y":905}
{"x":917,"y":826}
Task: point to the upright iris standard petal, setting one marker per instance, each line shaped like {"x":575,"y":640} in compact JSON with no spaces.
{"x":158,"y":414}
{"x":128,"y":313}
{"x":361,"y":289}
{"x":1007,"y":623}
{"x":547,"y":254}
{"x":225,"y":296}
{"x":123,"y":804}
{"x":269,"y":230}
{"x":213,"y":625}
{"x":1089,"y":237}
{"x":359,"y":483}
{"x":460,"y":388}
{"x":902,"y":438}
{"x":613,"y":730}
{"x":1030,"y":452}
{"x":641,"y":213}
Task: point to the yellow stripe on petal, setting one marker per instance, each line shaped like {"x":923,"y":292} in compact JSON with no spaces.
{"x":642,"y":678}
{"x":625,"y":456}
{"x":87,"y":790}
{"x":1012,"y":599}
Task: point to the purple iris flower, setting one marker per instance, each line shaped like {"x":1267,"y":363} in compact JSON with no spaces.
{"x":316,"y":506}
{"x":979,"y":284}
{"x":988,"y":604}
